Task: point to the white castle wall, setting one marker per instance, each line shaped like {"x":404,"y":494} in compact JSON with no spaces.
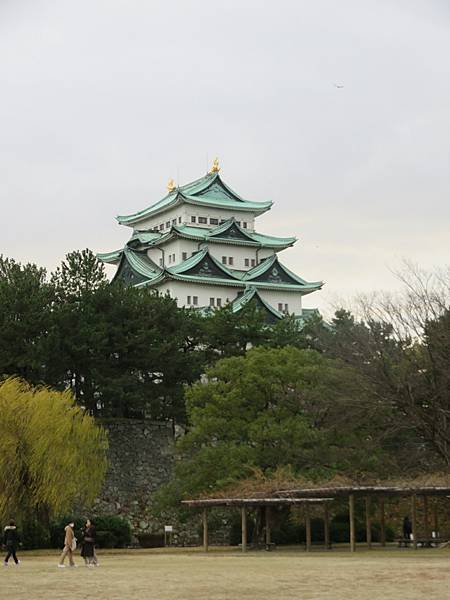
{"x":181,"y":290}
{"x":177,"y":247}
{"x":237,"y":253}
{"x":292,"y":299}
{"x":183,"y":215}
{"x":175,"y":216}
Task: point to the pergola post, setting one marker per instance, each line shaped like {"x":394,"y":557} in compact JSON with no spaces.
{"x":425,"y":517}
{"x":351,"y":514}
{"x":205,"y":529}
{"x":368,"y":523}
{"x":435,"y":518}
{"x":308,"y":528}
{"x":414,"y":520}
{"x":268,"y":532}
{"x":244,"y":529}
{"x":382,"y":522}
{"x":326,"y":525}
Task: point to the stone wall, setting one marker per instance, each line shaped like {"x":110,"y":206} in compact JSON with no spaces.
{"x":141,"y":455}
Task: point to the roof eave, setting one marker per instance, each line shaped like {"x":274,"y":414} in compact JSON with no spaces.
{"x":259,"y":209}
{"x":112,"y":258}
{"x":130,"y":220}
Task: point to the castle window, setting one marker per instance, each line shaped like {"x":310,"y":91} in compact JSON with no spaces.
{"x":173,"y":257}
{"x":244,"y":225}
{"x":161,"y":227}
{"x":202,"y":220}
{"x":219,"y":301}
{"x":286,"y":308}
{"x":167,"y":224}
{"x":193,"y":219}
{"x":230,"y":260}
{"x":280,"y":306}
{"x":224,"y":260}
{"x":246,"y":262}
{"x":188,"y":300}
{"x":195,"y":300}
{"x":214,"y":221}
{"x":253,"y":262}
{"x":238,"y":223}
{"x":174,"y":221}
{"x":211,"y":301}
{"x":184,"y":255}
{"x":179,"y":219}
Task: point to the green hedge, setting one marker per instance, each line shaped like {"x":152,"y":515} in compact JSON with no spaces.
{"x":111,"y":531}
{"x":34,"y":534}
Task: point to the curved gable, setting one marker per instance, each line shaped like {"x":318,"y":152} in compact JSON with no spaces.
{"x":230,"y":230}
{"x":202,"y":264}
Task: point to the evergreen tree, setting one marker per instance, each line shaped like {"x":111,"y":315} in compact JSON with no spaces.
{"x":26,"y":300}
{"x":274,"y":408}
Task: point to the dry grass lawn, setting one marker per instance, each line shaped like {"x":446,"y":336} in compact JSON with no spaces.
{"x":227,"y":574}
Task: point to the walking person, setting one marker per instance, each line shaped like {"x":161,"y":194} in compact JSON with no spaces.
{"x":11,"y":541}
{"x":70,"y":544}
{"x":88,"y":545}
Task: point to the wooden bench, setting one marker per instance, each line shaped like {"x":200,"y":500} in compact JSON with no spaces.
{"x":423,"y":542}
{"x":404,"y":542}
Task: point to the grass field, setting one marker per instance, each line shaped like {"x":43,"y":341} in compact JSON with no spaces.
{"x":227,"y":574}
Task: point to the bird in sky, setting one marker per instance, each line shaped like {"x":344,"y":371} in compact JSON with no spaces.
{"x":339,"y":86}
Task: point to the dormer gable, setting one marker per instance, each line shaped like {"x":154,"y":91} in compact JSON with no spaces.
{"x":230,"y":230}
{"x":271,"y":270}
{"x":202,"y":264}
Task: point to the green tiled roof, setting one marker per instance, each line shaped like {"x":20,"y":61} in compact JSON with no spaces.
{"x":209,"y":190}
{"x":145,"y":237}
{"x":144,"y":266}
{"x":307,"y":314}
{"x":249,"y":294}
{"x":197,"y":258}
{"x":209,"y":234}
{"x":110,"y":257}
{"x":272,"y":261}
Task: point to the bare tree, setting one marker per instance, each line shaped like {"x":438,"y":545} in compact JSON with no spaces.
{"x":420,"y":322}
{"x":424,"y":297}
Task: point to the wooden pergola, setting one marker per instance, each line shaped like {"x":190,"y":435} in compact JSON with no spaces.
{"x":307,"y":497}
{"x":267,"y":503}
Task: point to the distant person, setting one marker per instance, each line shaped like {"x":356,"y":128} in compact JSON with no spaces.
{"x":88,"y":544}
{"x":70,"y":544}
{"x":407,"y":528}
{"x":11,"y":541}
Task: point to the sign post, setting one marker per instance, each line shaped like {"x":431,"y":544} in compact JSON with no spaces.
{"x":168,"y":529}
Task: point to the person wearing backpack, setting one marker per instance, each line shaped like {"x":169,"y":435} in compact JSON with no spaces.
{"x":11,"y":541}
{"x":70,"y":544}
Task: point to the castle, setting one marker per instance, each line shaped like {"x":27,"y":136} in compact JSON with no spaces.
{"x":199,"y":244}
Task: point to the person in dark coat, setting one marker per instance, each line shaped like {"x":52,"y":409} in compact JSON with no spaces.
{"x":88,"y":545}
{"x":11,"y":541}
{"x":407,"y":528}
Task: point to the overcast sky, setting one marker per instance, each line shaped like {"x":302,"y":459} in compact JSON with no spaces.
{"x":101,"y":102}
